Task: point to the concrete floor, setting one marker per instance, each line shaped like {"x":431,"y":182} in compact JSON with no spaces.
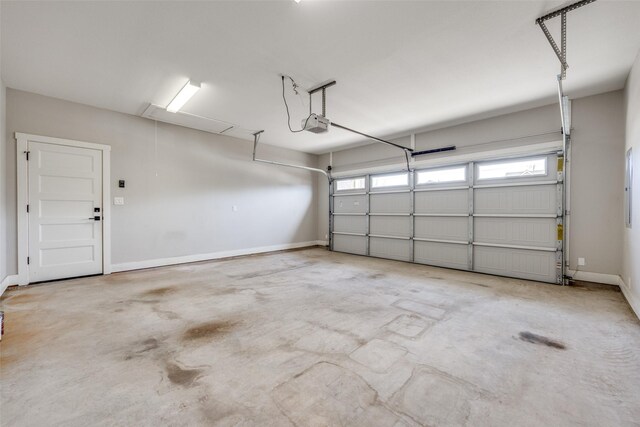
{"x":317,"y":338}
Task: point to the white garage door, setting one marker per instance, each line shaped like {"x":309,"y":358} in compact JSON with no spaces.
{"x":502,"y":217}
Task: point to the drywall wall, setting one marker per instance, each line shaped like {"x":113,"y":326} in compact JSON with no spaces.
{"x":631,"y":240}
{"x":3,"y":186}
{"x":597,"y":182}
{"x":181,"y":184}
{"x":596,"y":177}
{"x":3,"y":180}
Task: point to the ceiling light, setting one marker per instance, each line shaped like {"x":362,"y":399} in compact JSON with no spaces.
{"x":297,"y":1}
{"x":183,"y":96}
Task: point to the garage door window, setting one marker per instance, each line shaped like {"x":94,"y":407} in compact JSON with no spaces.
{"x":395,"y":180}
{"x":513,"y":169}
{"x":350,"y":184}
{"x":440,"y":176}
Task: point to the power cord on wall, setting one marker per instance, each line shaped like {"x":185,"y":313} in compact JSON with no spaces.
{"x":286,"y":106}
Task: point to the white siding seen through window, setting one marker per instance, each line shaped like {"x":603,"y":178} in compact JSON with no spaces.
{"x":442,"y":175}
{"x":395,"y":180}
{"x":514,"y":169}
{"x":350,"y":184}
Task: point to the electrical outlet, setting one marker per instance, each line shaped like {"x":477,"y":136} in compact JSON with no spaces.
{"x":234,"y":208}
{"x":326,"y":237}
{"x":582,"y":262}
{"x":118,"y":200}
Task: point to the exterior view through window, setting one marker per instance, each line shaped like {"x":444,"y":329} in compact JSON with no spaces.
{"x":514,"y":169}
{"x":350,"y":184}
{"x":396,"y":180}
{"x":442,"y":175}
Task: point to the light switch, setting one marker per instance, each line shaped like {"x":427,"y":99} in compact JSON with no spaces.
{"x":118,"y":200}
{"x":234,"y":208}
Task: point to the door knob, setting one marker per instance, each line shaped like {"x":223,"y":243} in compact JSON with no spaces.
{"x":95,"y":218}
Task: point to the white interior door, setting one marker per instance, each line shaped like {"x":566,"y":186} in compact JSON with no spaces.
{"x":65,"y":211}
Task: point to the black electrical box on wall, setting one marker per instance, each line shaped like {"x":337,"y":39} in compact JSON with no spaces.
{"x":121,"y":183}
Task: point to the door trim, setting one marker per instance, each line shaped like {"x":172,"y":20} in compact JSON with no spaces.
{"x":22,"y":140}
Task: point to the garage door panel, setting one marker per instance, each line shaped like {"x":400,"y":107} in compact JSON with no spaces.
{"x":350,"y":244}
{"x":350,"y":224}
{"x":442,"y":228}
{"x":533,"y":199}
{"x":390,"y":248}
{"x":504,"y":224}
{"x":442,"y":202}
{"x":390,"y":225}
{"x":521,"y":263}
{"x":449,"y":255}
{"x":391,"y":203}
{"x":538,"y":232}
{"x":350,"y":204}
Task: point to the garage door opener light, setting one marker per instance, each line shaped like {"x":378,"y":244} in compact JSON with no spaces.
{"x":185,"y":94}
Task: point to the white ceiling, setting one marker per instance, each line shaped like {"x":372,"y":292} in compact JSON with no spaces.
{"x":399,"y":65}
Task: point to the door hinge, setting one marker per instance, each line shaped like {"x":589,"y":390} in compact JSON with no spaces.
{"x":27,"y":154}
{"x":28,"y":259}
{"x":27,"y":208}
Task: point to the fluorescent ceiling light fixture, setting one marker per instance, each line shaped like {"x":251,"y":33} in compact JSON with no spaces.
{"x":183,"y":96}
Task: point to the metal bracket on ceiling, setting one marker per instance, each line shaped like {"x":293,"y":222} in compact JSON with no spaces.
{"x":561,"y":52}
{"x":321,"y":87}
{"x":256,"y":139}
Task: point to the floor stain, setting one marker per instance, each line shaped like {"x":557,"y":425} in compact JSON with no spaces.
{"x":142,"y":347}
{"x":182,"y":376}
{"x":159,"y":292}
{"x":208,"y":330}
{"x":148,"y":344}
{"x":19,"y":337}
{"x":539,"y":339}
{"x":377,"y":276}
{"x":20,"y":298}
{"x":272,"y":271}
{"x":165,"y":314}
{"x":479,"y":284}
{"x":140,"y":301}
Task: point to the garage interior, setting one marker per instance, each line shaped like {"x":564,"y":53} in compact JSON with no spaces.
{"x":320,"y":213}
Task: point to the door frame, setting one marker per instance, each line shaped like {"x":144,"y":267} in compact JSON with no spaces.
{"x":22,"y":140}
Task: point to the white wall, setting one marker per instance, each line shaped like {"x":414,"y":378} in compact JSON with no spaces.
{"x":3,"y":186}
{"x":597,"y":178}
{"x":631,"y":241}
{"x":180,"y":188}
{"x":3,"y":181}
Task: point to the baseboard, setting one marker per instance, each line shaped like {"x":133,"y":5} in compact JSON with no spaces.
{"x":8,"y":281}
{"x":138,"y":265}
{"x":607,"y":279}
{"x":631,"y":299}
